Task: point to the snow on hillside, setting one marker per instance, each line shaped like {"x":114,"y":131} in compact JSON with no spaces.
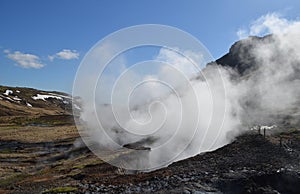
{"x":8,"y":98}
{"x":17,"y":98}
{"x":29,"y":99}
{"x":44,"y":97}
{"x":8,"y":92}
{"x":63,"y":96}
{"x":76,"y":106}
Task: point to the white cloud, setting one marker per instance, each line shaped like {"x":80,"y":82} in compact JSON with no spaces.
{"x":65,"y":54}
{"x":242,"y":33}
{"x":176,"y":60}
{"x":271,"y":23}
{"x":6,"y":51}
{"x":51,"y":57}
{"x":25,"y":60}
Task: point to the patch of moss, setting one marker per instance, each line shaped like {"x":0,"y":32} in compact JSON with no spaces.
{"x":50,"y":120}
{"x":79,"y":166}
{"x":61,"y":190}
{"x":6,"y":151}
{"x":88,"y":164}
{"x":74,"y":173}
{"x":12,"y":179}
{"x":94,"y":163}
{"x":290,"y":132}
{"x":9,"y":127}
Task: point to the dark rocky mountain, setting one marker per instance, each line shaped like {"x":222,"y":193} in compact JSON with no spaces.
{"x":240,"y":56}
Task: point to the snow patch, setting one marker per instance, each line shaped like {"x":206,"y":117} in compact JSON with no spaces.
{"x":44,"y":97}
{"x":17,"y":91}
{"x":76,"y":107}
{"x":8,"y":92}
{"x":29,"y":105}
{"x":17,"y":98}
{"x":268,"y":127}
{"x":63,"y":96}
{"x":8,"y":98}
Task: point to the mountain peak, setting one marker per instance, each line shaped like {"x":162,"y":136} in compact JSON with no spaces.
{"x":240,"y":56}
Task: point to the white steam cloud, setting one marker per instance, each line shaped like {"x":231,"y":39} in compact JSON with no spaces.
{"x":272,"y":91}
{"x":201,"y":111}
{"x":271,"y":23}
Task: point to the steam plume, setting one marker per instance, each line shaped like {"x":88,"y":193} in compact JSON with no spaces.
{"x":202,"y":111}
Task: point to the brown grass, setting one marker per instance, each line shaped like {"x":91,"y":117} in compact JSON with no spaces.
{"x":32,"y":134}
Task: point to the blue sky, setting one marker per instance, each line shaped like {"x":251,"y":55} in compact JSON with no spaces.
{"x":65,"y":30}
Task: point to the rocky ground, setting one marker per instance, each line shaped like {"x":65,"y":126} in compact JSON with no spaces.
{"x":57,"y":163}
{"x":251,"y":164}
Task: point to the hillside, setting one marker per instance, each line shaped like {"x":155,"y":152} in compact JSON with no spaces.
{"x":28,"y":106}
{"x":16,"y":101}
